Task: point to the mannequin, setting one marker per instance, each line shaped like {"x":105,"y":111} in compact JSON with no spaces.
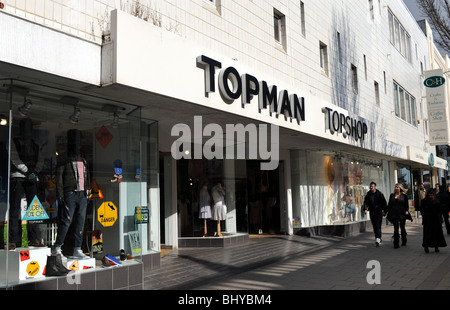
{"x":220,"y":209}
{"x":117,"y":172}
{"x":26,"y":163}
{"x":72,"y":185}
{"x":205,"y":206}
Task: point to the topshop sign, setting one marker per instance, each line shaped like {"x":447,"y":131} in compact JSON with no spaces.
{"x":233,"y":86}
{"x":341,"y":123}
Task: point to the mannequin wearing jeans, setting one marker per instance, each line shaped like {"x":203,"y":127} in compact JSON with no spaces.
{"x":26,"y":163}
{"x":72,"y":187}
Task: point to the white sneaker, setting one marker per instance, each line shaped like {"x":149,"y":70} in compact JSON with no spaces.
{"x":377,"y":241}
{"x":78,"y":254}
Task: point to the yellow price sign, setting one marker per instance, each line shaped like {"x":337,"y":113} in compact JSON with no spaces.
{"x":107,"y":214}
{"x":32,"y":268}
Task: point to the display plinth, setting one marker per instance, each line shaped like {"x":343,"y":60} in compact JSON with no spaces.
{"x":79,"y":264}
{"x":24,"y":263}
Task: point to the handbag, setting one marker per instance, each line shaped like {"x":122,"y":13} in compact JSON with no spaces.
{"x":409,"y":217}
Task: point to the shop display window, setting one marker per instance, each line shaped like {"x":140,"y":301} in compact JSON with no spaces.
{"x":330,"y":188}
{"x":78,"y":182}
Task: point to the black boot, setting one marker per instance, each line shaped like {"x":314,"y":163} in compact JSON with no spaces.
{"x":60,"y":265}
{"x":403,"y":241}
{"x":396,"y":242}
{"x":51,"y":270}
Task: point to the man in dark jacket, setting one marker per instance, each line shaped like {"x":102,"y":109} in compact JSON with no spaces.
{"x":375,"y":203}
{"x":72,"y":184}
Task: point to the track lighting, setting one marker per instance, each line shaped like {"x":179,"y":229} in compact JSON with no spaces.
{"x":3,"y":120}
{"x":25,"y":108}
{"x":115,"y":122}
{"x":75,"y":116}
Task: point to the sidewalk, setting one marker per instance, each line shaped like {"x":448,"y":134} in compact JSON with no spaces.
{"x":307,"y":263}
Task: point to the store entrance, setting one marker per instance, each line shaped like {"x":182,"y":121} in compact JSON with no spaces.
{"x":252,"y":197}
{"x":263,"y":199}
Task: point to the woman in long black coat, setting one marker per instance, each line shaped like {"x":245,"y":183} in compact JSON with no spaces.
{"x":397,"y":211}
{"x":432,"y":227}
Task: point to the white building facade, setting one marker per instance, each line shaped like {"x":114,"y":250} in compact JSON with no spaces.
{"x":294,"y":107}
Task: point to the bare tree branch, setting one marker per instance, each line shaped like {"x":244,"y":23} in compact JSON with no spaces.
{"x":438,"y":12}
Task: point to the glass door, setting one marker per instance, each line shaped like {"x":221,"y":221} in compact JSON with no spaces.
{"x":5,"y":125}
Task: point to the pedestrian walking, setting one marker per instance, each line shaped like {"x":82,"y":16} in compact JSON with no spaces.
{"x":445,"y":204}
{"x":375,"y":204}
{"x":419,"y":195}
{"x":432,"y":226}
{"x":397,"y":212}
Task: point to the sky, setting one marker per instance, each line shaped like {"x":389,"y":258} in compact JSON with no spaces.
{"x":418,"y":15}
{"x":413,"y":7}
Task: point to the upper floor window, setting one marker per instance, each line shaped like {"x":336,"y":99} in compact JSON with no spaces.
{"x":279,"y":24}
{"x":377,"y":93}
{"x":213,"y":5}
{"x":277,"y":27}
{"x":339,"y":47}
{"x":371,"y":10}
{"x":399,"y":37}
{"x":354,"y":78}
{"x":405,"y":105}
{"x":302,"y":18}
{"x":323,"y":57}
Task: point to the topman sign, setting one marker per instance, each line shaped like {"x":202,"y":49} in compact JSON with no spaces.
{"x":232,"y":85}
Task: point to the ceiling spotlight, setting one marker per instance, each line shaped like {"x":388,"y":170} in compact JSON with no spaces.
{"x":25,"y":108}
{"x":3,"y":120}
{"x":115,"y":122}
{"x":75,"y":116}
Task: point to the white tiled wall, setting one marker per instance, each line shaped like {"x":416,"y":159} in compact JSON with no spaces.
{"x":83,"y":18}
{"x":244,"y":31}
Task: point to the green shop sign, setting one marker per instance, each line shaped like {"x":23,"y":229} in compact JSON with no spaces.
{"x":434,"y":81}
{"x":431,"y":160}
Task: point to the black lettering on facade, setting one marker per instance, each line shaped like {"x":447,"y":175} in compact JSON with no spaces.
{"x":232,"y":86}
{"x":337,"y":122}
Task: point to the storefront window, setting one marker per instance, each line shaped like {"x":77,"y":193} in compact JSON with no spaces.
{"x":404,"y":177}
{"x":427,"y":179}
{"x":329,"y":189}
{"x":5,"y":101}
{"x":82,"y":180}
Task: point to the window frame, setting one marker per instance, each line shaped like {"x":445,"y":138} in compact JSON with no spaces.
{"x":405,"y":105}
{"x":377,"y":93}
{"x":279,"y":26}
{"x":302,"y":18}
{"x":399,"y":36}
{"x":323,"y":55}
{"x":354,"y":72}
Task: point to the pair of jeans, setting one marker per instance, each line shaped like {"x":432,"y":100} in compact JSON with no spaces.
{"x":399,"y":224}
{"x":73,"y":209}
{"x":376,"y":218}
{"x":19,"y":187}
